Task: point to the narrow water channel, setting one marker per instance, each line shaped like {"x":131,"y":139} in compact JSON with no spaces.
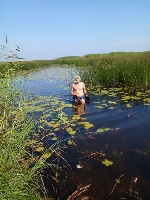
{"x":112,"y":163}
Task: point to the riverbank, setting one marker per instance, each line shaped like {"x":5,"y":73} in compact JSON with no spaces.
{"x":109,"y":141}
{"x":20,"y":170}
{"x":121,"y":69}
{"x":53,"y":150}
{"x":127,"y":69}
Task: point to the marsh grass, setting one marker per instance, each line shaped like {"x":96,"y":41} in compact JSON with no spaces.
{"x":114,"y":69}
{"x":25,"y":65}
{"x":130,"y":69}
{"x":20,"y":171}
{"x":17,"y":176}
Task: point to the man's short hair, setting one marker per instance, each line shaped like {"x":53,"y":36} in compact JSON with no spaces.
{"x":78,"y":77}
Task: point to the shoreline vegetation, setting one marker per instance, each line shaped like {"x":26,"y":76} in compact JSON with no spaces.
{"x":128,"y":69}
{"x":17,"y":176}
{"x":20,"y":171}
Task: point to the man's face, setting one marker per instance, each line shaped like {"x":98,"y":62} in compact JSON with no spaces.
{"x":78,"y":80}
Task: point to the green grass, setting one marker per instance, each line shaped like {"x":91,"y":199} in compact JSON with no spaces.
{"x":131,"y":69}
{"x":113,"y":69}
{"x":24,"y":65}
{"x":19,"y":170}
{"x":20,"y":176}
{"x":16,"y":178}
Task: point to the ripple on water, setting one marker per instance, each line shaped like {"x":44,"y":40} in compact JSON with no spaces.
{"x":127,"y":144}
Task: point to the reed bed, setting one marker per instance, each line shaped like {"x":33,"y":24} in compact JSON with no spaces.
{"x":24,"y":65}
{"x":130,"y":69}
{"x":20,"y":169}
{"x":17,"y":177}
{"x":114,"y":69}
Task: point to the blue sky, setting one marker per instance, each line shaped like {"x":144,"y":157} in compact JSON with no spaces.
{"x":47,"y":29}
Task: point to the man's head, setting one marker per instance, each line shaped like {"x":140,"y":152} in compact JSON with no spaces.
{"x":78,"y":79}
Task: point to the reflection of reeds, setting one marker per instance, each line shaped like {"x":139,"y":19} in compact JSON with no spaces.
{"x":79,"y":193}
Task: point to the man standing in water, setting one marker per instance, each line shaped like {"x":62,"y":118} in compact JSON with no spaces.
{"x":78,"y":91}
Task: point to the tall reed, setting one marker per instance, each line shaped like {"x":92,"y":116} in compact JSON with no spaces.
{"x":115,"y":69}
{"x":19,"y":170}
{"x":131,"y":69}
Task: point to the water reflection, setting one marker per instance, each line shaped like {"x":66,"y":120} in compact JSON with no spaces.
{"x":127,"y":144}
{"x":79,"y":108}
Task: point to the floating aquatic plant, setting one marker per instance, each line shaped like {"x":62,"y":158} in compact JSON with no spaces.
{"x":39,"y":149}
{"x":107,"y":162}
{"x":70,"y":131}
{"x":54,"y":138}
{"x":70,"y":142}
{"x":46,"y":155}
{"x":101,"y":130}
{"x":128,"y":105}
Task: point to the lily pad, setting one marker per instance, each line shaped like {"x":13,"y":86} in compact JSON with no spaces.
{"x":39,"y":149}
{"x":111,"y":108}
{"x":99,"y":106}
{"x":46,"y":155}
{"x":88,"y":125}
{"x":70,"y":131}
{"x":100,"y":130}
{"x":68,"y":105}
{"x":112,"y":102}
{"x":106,"y":129}
{"x":107,"y":162}
{"x":76,"y":117}
{"x":104,"y":92}
{"x":69,"y":142}
{"x":54,"y":138}
{"x":128,"y":105}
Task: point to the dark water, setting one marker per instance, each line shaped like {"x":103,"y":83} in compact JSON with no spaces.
{"x":126,"y":144}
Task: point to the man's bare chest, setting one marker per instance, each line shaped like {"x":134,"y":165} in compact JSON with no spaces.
{"x":78,"y":86}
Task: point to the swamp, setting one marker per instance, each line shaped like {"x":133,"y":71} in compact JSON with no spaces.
{"x":96,"y":151}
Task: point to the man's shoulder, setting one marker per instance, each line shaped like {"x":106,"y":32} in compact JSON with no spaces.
{"x":82,"y":83}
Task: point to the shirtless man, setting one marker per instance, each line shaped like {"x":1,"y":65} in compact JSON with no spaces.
{"x":78,"y":90}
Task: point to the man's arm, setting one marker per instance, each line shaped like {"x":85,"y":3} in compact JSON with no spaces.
{"x":84,"y":89}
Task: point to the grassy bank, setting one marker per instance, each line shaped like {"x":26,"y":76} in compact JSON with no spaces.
{"x":16,"y":180}
{"x":20,"y":176}
{"x":131,"y":69}
{"x":24,"y":65}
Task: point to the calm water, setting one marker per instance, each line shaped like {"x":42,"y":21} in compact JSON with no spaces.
{"x":126,"y":144}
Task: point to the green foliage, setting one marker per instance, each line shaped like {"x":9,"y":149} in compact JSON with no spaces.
{"x":130,"y":69}
{"x":116,"y":69}
{"x":126,"y":96}
{"x":17,"y":176}
{"x":20,"y":171}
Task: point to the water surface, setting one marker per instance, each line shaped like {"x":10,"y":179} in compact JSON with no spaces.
{"x":126,"y":144}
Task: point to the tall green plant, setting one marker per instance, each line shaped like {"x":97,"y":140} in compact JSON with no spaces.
{"x":17,"y":175}
{"x":114,"y":69}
